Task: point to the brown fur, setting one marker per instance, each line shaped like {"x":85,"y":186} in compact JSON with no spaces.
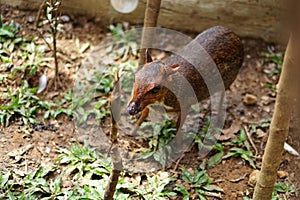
{"x":176,"y":75}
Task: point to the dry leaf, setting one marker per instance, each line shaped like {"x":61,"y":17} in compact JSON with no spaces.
{"x":282,"y":174}
{"x":253,"y":178}
{"x":229,"y":133}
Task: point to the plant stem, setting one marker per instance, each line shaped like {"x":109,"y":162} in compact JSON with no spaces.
{"x":54,"y":34}
{"x":115,"y":107}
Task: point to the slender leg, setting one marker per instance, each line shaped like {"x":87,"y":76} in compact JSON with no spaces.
{"x":180,"y":121}
{"x":143,"y":116}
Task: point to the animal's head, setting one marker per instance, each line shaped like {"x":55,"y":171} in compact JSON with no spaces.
{"x":149,"y":84}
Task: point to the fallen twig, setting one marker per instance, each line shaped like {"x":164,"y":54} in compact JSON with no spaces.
{"x":251,"y":141}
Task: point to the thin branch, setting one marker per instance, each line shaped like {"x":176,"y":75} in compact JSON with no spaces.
{"x":251,"y":141}
{"x":115,"y":106}
{"x":43,"y":38}
{"x":38,"y":17}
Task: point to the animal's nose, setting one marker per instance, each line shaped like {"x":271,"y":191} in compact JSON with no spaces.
{"x":132,"y":108}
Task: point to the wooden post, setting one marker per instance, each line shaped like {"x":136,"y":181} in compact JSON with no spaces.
{"x":279,"y":126}
{"x":150,"y":20}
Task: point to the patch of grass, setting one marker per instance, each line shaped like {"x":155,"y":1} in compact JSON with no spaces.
{"x":8,"y":31}
{"x":244,"y":154}
{"x":91,"y":100}
{"x":282,"y":190}
{"x":89,"y":171}
{"x":199,"y":181}
{"x":217,"y":157}
{"x":84,"y":162}
{"x":8,"y":42}
{"x":162,"y":134}
{"x":274,"y":61}
{"x":128,"y":69}
{"x":21,"y":103}
{"x":217,"y":150}
{"x":124,"y":43}
{"x":242,"y":140}
{"x":155,"y":188}
{"x":25,"y":105}
{"x":29,"y":57}
{"x":264,"y":125}
{"x":205,"y":133}
{"x":35,"y":185}
{"x":241,"y":149}
{"x":32,"y":58}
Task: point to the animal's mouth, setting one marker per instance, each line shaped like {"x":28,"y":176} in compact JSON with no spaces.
{"x":133,"y":108}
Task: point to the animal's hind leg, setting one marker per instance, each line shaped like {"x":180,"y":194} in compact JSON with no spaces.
{"x":180,"y":121}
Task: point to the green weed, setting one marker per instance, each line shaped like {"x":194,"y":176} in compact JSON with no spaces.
{"x":198,"y":181}
{"x":217,"y":157}
{"x":124,"y":43}
{"x":274,"y":60}
{"x":280,"y":189}
{"x":155,"y":188}
{"x":159,"y":144}
{"x":21,"y":103}
{"x":89,"y":171}
{"x":8,"y":31}
{"x":242,"y":143}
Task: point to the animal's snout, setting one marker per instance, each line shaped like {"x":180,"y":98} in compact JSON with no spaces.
{"x":133,"y":108}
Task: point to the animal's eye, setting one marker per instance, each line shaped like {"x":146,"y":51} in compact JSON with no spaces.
{"x":155,"y":89}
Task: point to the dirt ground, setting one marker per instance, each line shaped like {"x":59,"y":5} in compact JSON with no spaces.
{"x":41,"y":141}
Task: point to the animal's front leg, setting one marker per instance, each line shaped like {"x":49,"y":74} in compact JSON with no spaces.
{"x":142,"y":118}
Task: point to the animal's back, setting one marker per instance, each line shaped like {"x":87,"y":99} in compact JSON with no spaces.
{"x":217,"y":46}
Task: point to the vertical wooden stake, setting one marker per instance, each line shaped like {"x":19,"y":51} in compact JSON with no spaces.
{"x":150,"y":20}
{"x":279,"y":126}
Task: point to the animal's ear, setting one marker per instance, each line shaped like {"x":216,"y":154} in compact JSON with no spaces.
{"x":148,"y":56}
{"x":172,"y":69}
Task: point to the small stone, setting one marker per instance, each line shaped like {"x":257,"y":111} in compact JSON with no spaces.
{"x":260,"y":133}
{"x":253,"y":178}
{"x":47,"y":150}
{"x":31,"y":19}
{"x":258,"y":67}
{"x":265,"y":100}
{"x":250,"y":99}
{"x":282,"y":174}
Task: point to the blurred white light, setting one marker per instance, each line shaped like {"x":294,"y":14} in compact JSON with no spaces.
{"x":42,"y":83}
{"x":124,"y":6}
